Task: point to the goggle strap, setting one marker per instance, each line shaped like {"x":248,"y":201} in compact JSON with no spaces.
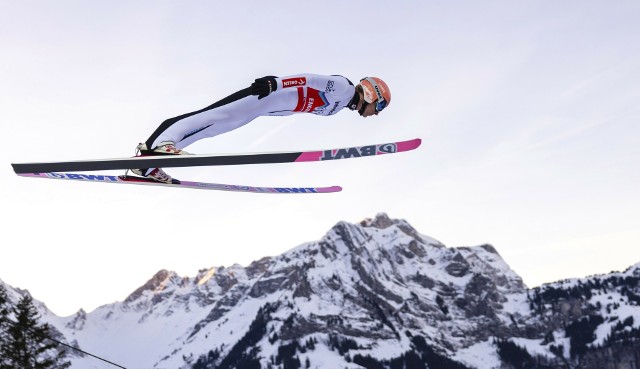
{"x":375,"y":88}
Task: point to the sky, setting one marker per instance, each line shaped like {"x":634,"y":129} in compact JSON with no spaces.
{"x":528,"y":112}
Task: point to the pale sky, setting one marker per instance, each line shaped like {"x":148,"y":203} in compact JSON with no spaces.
{"x":528,"y":112}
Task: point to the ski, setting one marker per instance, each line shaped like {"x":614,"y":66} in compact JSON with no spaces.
{"x":103,"y":178}
{"x":169,"y":161}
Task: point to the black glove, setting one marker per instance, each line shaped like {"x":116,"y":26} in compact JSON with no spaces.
{"x":264,"y":86}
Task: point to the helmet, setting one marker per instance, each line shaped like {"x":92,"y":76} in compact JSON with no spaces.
{"x":376,"y":91}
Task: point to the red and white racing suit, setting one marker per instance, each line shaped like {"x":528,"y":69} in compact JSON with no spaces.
{"x":301,"y":93}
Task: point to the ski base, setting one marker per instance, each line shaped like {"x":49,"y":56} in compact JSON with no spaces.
{"x":129,"y":179}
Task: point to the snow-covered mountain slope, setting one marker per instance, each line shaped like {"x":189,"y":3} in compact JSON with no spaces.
{"x":377,"y":294}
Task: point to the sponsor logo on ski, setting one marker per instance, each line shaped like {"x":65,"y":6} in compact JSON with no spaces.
{"x":84,"y":177}
{"x":292,"y":82}
{"x":388,"y":148}
{"x":257,"y":189}
{"x":227,"y":187}
{"x":221,"y":186}
{"x":356,"y":152}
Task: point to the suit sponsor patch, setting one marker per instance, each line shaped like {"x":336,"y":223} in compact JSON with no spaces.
{"x":294,"y":82}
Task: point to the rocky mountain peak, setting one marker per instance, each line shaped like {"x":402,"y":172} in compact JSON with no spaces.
{"x":160,"y":281}
{"x":371,"y":294}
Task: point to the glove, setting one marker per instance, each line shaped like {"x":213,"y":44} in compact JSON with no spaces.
{"x":264,"y":86}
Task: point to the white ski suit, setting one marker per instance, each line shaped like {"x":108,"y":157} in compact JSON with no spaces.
{"x":301,"y":93}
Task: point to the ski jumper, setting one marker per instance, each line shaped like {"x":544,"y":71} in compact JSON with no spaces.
{"x":301,"y":93}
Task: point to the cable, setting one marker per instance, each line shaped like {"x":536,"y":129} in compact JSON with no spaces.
{"x":62,"y":343}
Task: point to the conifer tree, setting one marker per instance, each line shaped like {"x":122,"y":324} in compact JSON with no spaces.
{"x":4,"y":327}
{"x":28,"y":346}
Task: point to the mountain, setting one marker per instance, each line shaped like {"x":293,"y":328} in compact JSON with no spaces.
{"x":377,"y":294}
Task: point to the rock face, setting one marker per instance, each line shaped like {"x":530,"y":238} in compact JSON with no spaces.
{"x":377,"y":294}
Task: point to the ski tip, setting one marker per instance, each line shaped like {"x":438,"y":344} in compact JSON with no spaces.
{"x":409,"y":145}
{"x":330,"y":189}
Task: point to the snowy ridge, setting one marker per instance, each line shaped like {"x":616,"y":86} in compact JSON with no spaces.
{"x":373,"y":294}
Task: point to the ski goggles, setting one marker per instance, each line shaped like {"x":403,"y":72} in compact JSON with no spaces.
{"x":381,"y":103}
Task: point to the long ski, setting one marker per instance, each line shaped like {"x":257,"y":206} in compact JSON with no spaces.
{"x":179,"y":184}
{"x":169,"y":161}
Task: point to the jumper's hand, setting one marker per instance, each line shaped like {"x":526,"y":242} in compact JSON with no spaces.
{"x":264,"y":86}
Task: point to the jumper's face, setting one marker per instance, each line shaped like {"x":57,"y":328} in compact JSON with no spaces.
{"x":369,"y":111}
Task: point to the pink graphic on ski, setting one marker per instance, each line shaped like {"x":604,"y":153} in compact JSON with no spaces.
{"x":359,"y":151}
